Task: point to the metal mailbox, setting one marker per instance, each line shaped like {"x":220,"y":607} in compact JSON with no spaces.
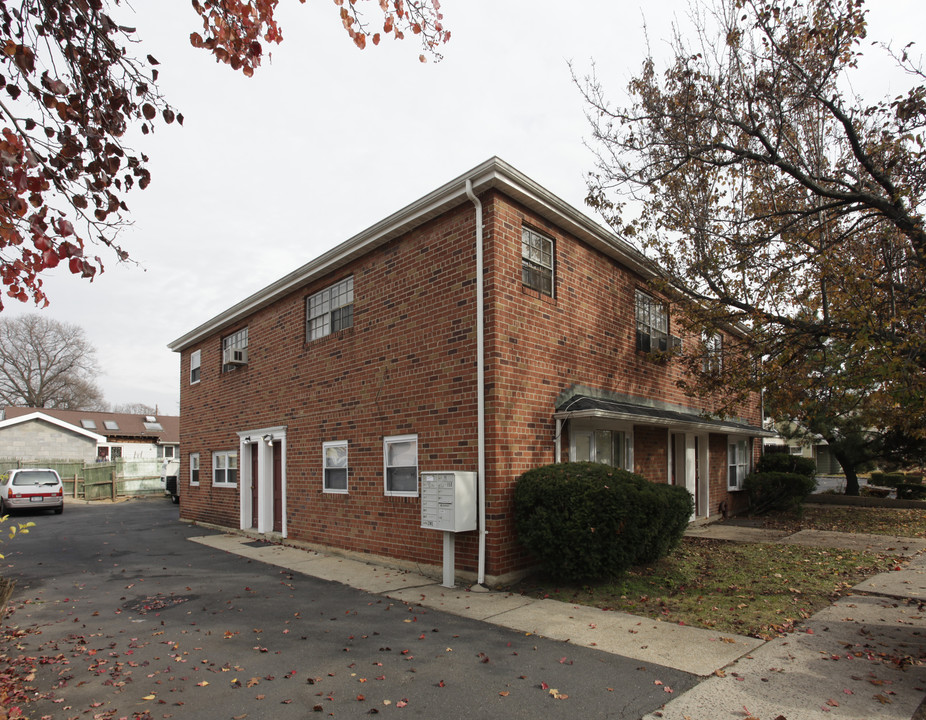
{"x":448,"y":501}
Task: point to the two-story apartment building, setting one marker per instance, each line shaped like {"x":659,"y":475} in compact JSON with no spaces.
{"x":487,"y":327}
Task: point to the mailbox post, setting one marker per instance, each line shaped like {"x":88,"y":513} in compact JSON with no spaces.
{"x":448,"y":503}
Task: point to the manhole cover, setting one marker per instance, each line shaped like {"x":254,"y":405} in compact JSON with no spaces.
{"x":156,"y":603}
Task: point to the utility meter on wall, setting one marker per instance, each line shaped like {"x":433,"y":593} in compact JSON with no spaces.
{"x":448,"y":501}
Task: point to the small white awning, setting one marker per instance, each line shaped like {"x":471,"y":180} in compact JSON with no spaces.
{"x":583,"y":406}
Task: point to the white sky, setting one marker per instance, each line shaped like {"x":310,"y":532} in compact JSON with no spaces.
{"x":325,"y":140}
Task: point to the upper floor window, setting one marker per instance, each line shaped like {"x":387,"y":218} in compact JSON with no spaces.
{"x":652,"y":323}
{"x":335,"y":466}
{"x":235,"y":349}
{"x":401,"y":464}
{"x":537,"y":261}
{"x":195,"y":360}
{"x":330,"y":310}
{"x":713,"y":352}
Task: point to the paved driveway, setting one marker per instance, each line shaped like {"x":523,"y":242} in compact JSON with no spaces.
{"x":124,"y":617}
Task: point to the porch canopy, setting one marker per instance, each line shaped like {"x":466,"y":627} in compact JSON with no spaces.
{"x":584,"y":406}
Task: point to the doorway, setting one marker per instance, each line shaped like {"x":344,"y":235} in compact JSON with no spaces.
{"x":263,"y":490}
{"x":688,"y":467}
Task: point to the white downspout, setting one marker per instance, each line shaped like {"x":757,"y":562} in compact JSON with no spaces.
{"x":480,"y":384}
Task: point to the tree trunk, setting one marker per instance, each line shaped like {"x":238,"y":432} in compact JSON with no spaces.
{"x":848,"y":467}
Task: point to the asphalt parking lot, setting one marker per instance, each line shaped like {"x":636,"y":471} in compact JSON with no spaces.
{"x":121,"y":616}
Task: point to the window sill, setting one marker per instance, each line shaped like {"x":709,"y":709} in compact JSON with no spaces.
{"x":537,"y":295}
{"x":340,"y":334}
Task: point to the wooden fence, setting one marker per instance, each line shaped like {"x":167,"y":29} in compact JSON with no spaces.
{"x":101,"y":480}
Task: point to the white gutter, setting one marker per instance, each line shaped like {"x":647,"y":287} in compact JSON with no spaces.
{"x":480,"y":384}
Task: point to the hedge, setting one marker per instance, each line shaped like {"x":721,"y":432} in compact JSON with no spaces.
{"x":590,"y":521}
{"x":777,"y":490}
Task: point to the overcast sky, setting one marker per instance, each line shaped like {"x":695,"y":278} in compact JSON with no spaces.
{"x":268,"y":172}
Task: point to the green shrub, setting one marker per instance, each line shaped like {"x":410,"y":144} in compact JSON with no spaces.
{"x":777,"y":490}
{"x":892,"y":479}
{"x":911,"y":491}
{"x":785,"y":463}
{"x":588,"y":520}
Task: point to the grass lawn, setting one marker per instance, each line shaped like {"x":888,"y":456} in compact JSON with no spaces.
{"x":754,"y":589}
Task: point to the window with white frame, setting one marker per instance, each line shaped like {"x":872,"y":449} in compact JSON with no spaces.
{"x":401,"y":464}
{"x":334,"y":466}
{"x":738,"y":460}
{"x":194,"y":468}
{"x":537,"y":261}
{"x":330,"y":310}
{"x":225,"y":468}
{"x":609,"y":447}
{"x":652,"y":323}
{"x":236,"y":341}
{"x":195,"y":360}
{"x":713,"y":353}
{"x":116,"y":452}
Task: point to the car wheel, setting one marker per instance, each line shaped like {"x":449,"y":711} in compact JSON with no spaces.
{"x":59,"y":510}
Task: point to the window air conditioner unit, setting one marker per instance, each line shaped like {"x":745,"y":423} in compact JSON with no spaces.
{"x":235,"y":356}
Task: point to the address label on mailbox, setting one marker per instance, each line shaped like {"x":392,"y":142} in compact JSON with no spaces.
{"x":448,"y":501}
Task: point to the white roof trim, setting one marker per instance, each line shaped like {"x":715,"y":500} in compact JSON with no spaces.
{"x":54,"y":421}
{"x":718,"y":426}
{"x":494,"y":173}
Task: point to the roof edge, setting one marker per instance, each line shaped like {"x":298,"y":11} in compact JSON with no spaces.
{"x":54,"y":421}
{"x":493,"y":173}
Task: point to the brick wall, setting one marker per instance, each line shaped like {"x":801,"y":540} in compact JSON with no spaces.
{"x":408,"y":366}
{"x":539,"y":346}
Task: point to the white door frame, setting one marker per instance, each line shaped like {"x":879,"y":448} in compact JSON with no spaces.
{"x":264,"y":439}
{"x":691,"y":450}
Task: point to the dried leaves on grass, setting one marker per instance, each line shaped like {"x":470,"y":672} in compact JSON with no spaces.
{"x":754,"y":589}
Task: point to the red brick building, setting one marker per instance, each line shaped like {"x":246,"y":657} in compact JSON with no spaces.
{"x":310,"y":410}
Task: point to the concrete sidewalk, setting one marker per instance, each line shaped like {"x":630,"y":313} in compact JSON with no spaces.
{"x":854,"y":660}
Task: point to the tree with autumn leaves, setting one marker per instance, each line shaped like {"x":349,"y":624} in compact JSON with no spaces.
{"x":781,"y":202}
{"x":70,"y":92}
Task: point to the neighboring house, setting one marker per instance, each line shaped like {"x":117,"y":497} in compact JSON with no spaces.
{"x":45,"y":434}
{"x":312,"y":409}
{"x":790,"y":437}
